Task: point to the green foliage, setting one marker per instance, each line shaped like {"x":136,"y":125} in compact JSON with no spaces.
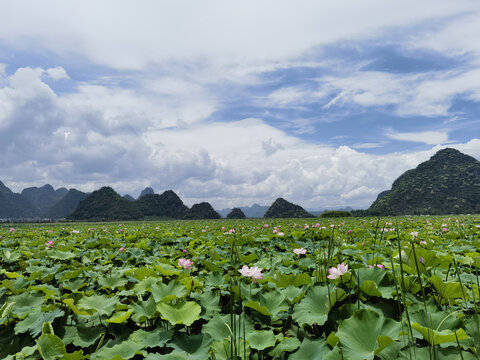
{"x":236,"y":213}
{"x":335,"y":214}
{"x":281,"y":208}
{"x":410,"y":291}
{"x":448,"y":183}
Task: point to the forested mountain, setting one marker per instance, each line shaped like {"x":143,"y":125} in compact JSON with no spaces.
{"x":105,"y":205}
{"x":202,"y":210}
{"x":281,"y":208}
{"x":167,"y":205}
{"x":66,"y":205}
{"x":448,"y":183}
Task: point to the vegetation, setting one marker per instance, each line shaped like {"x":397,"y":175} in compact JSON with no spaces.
{"x":105,"y":205}
{"x":166,"y":205}
{"x":236,"y":213}
{"x":202,"y":210}
{"x":448,"y":183}
{"x":383,"y":289}
{"x":281,"y":208}
{"x":66,"y":205}
{"x":335,"y":214}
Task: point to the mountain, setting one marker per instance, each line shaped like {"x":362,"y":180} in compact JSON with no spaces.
{"x":167,"y":205}
{"x":43,"y":198}
{"x":254,"y":211}
{"x":281,"y":208}
{"x":128,"y":197}
{"x":4,"y":189}
{"x":447,"y":183}
{"x":15,"y":206}
{"x":146,"y":191}
{"x":105,"y":205}
{"x":236,"y":213}
{"x":66,"y":205}
{"x":202,"y":210}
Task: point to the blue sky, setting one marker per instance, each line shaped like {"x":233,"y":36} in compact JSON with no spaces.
{"x":324,"y":103}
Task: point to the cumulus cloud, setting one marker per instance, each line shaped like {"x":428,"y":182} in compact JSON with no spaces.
{"x":426,"y":137}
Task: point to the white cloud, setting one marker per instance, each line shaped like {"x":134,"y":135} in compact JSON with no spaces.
{"x":426,"y":137}
{"x":122,"y":34}
{"x":57,"y":73}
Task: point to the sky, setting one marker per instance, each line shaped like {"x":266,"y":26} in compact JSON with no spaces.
{"x":323,"y":103}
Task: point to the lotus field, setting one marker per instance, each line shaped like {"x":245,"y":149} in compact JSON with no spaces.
{"x":356,"y":288}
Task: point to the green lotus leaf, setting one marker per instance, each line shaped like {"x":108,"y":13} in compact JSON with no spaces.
{"x":440,"y":337}
{"x":12,"y":275}
{"x":370,"y":288}
{"x":210,"y":303}
{"x":157,"y":337}
{"x":269,"y":304}
{"x":122,"y":350}
{"x":197,"y":346}
{"x":261,"y":339}
{"x":144,"y":309}
{"x":99,"y":303}
{"x":51,"y":347}
{"x":6,"y":309}
{"x":285,"y":345}
{"x":82,"y":336}
{"x":112,"y":281}
{"x":34,"y":321}
{"x":284,"y":280}
{"x":365,"y":334}
{"x":311,"y":349}
{"x":292,"y":293}
{"x":221,"y":349}
{"x":120,"y":317}
{"x":316,"y":304}
{"x":26,"y":302}
{"x":144,"y":285}
{"x":181,"y":313}
{"x":167,"y":292}
{"x":61,"y":255}
{"x":219,"y":327}
{"x":449,"y":290}
{"x":71,"y":304}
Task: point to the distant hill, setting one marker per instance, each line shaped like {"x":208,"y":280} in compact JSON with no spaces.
{"x":254,"y":211}
{"x":167,"y":205}
{"x":43,"y":198}
{"x":236,"y":213}
{"x":202,"y":210}
{"x":128,"y":197}
{"x":105,"y":205}
{"x":281,"y":208}
{"x":66,"y":205}
{"x":448,"y":183}
{"x":15,"y":206}
{"x":146,"y":191}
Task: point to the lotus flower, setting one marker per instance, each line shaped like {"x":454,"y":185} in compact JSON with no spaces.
{"x":122,"y":249}
{"x":336,"y":272}
{"x":49,"y":243}
{"x":12,"y":230}
{"x":254,"y":272}
{"x":185,"y":263}
{"x":300,"y":251}
{"x":380,"y":266}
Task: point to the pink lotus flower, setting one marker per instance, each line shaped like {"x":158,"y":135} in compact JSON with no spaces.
{"x":280,"y":234}
{"x":12,"y":230}
{"x":300,"y":251}
{"x":444,"y":229}
{"x":423,"y":242}
{"x":184,"y":251}
{"x":380,"y":266}
{"x":265,"y":226}
{"x":336,"y":272}
{"x":349,"y":232}
{"x":254,"y":272}
{"x":185,"y":263}
{"x":122,"y":249}
{"x":414,"y":234}
{"x":49,"y":243}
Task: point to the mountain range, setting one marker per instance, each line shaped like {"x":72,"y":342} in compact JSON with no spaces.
{"x":448,"y":183}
